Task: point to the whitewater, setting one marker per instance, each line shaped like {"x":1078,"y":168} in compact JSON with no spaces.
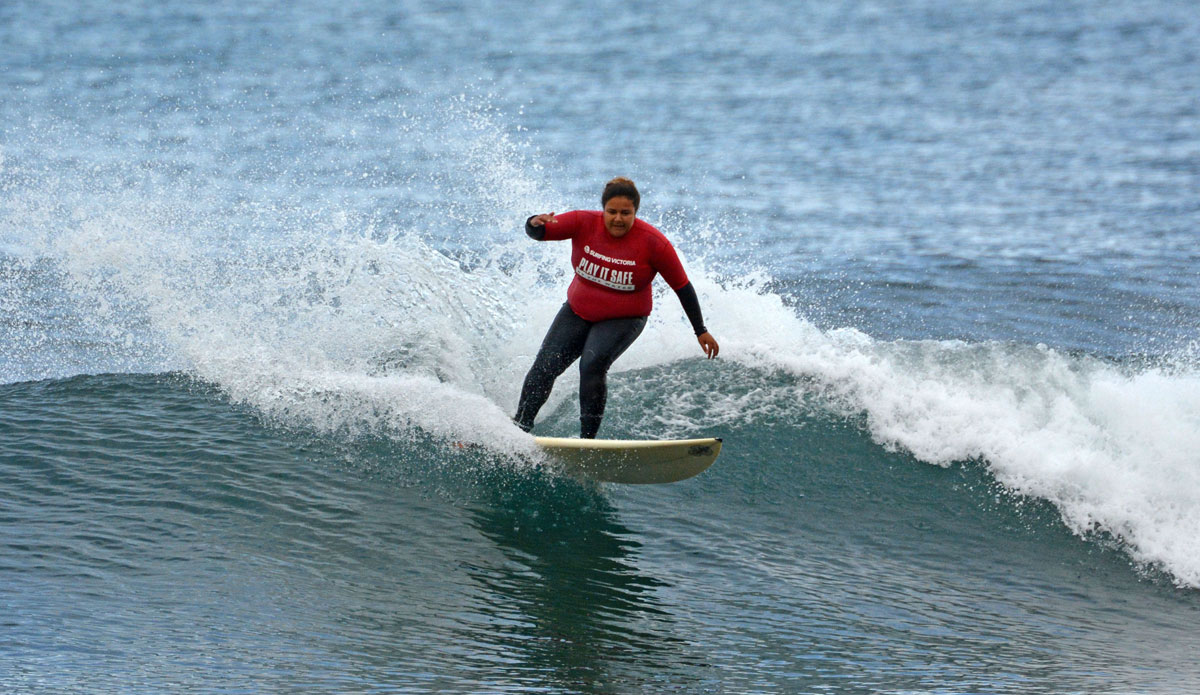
{"x":252,"y":304}
{"x":342,"y":326}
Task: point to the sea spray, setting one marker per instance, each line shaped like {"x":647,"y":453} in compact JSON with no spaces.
{"x":1113,"y":448}
{"x":323,"y":316}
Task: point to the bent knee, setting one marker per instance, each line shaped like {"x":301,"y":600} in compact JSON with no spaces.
{"x":593,"y":369}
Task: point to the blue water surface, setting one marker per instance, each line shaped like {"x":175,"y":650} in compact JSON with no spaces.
{"x":261,"y":265}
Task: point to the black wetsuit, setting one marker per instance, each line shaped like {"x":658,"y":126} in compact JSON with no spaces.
{"x":596,"y":344}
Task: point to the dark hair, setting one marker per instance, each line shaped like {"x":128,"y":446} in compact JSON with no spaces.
{"x":621,"y":187}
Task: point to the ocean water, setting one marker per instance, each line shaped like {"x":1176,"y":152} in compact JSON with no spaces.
{"x":262,"y":272}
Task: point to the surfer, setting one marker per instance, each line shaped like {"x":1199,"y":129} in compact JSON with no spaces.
{"x":615,"y":256}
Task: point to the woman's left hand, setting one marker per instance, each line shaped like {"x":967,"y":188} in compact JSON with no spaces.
{"x":708,"y":344}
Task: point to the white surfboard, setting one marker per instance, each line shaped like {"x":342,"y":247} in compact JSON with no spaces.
{"x":632,"y":461}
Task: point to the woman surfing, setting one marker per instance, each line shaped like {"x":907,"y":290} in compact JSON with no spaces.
{"x":616,"y":257}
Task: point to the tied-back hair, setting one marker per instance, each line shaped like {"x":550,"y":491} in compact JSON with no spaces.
{"x":621,"y":187}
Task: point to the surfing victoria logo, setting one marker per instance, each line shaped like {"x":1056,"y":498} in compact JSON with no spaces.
{"x":603,"y":274}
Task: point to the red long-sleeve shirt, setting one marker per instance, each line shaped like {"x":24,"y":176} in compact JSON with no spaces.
{"x":613,"y":274}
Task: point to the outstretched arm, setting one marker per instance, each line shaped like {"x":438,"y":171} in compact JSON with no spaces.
{"x":535,"y":226}
{"x":691,"y":307}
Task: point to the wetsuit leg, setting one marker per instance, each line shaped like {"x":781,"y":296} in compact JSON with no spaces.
{"x":562,"y":345}
{"x":605,"y":343}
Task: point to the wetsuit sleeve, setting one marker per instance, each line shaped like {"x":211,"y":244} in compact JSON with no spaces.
{"x":691,"y":307}
{"x":565,"y":226}
{"x":537,"y":233}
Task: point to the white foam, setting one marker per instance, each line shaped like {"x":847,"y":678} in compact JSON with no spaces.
{"x":1117,"y":451}
{"x":1115,"y":448}
{"x":333,"y":322}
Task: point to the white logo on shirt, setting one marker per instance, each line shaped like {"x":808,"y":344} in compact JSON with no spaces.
{"x":601,"y":275}
{"x":615,"y":261}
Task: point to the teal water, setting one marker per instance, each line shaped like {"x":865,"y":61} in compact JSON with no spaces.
{"x":157,"y":537}
{"x":261,"y":269}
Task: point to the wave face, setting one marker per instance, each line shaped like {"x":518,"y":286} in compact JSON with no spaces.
{"x":253,"y":303}
{"x":366,"y":331}
{"x":196,"y":541}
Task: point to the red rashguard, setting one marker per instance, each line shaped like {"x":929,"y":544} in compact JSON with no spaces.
{"x":613,"y":275}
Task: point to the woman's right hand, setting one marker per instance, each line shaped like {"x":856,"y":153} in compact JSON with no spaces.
{"x":542,"y":220}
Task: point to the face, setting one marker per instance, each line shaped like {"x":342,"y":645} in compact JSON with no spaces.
{"x":618,"y":216}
